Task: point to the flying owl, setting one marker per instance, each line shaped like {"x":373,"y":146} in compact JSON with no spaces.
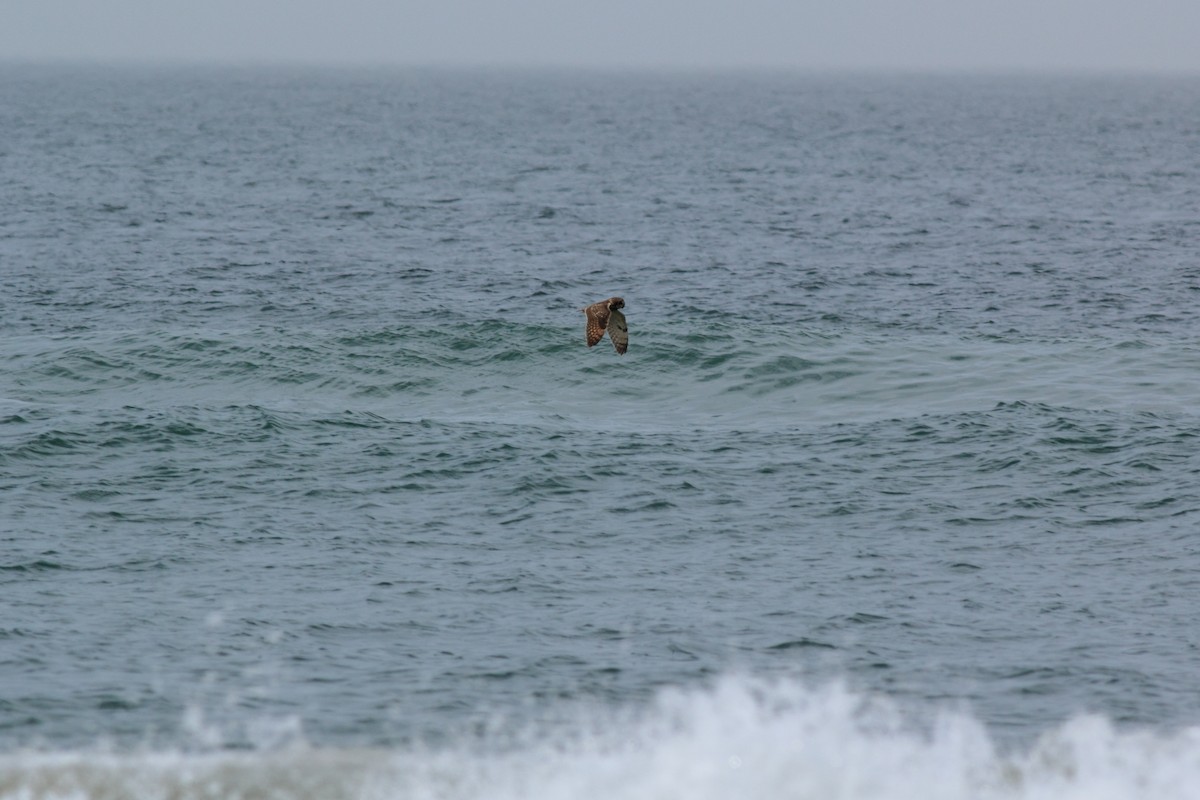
{"x":606,"y":316}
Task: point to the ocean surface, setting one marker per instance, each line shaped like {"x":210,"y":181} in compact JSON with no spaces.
{"x":309,"y":487}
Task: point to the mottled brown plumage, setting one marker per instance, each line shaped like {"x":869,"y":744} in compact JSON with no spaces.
{"x":606,"y":317}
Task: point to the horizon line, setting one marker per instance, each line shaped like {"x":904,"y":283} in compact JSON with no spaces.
{"x":880,"y":70}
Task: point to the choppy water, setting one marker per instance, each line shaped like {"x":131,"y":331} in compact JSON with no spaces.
{"x":310,"y":487}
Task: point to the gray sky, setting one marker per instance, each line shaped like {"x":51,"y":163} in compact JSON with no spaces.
{"x":1120,"y":35}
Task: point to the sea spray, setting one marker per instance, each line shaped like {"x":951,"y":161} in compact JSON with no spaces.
{"x":739,"y":737}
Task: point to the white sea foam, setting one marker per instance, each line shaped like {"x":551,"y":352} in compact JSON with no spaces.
{"x":741,"y":738}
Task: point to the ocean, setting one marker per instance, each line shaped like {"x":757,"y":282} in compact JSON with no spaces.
{"x":310,"y":488}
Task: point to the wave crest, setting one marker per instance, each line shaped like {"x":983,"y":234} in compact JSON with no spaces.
{"x":741,"y":737}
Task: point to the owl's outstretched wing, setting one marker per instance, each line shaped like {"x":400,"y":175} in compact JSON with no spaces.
{"x":618,"y":333}
{"x":597,"y":321}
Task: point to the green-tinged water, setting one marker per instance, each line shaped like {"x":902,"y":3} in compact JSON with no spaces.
{"x":300,"y":442}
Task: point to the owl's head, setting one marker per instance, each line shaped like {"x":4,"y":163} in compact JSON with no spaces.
{"x":616,"y":302}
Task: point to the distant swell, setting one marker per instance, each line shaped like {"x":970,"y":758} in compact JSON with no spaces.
{"x":764,"y":375}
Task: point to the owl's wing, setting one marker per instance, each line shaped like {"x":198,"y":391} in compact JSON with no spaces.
{"x":618,"y":333}
{"x":597,"y":321}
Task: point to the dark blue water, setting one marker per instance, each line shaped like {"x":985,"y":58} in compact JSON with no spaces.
{"x":301,"y":447}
